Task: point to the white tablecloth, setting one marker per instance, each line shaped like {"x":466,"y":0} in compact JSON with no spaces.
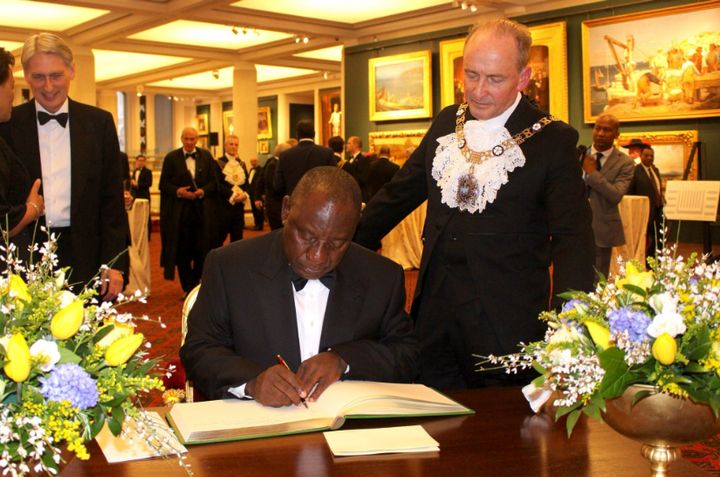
{"x":138,"y":251}
{"x":635,"y":212}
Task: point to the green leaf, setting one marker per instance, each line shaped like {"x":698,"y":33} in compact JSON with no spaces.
{"x":67,"y":356}
{"x":571,"y":421}
{"x":696,"y":368}
{"x":592,"y":411}
{"x":697,"y":345}
{"x":114,"y":426}
{"x":635,"y":289}
{"x":640,"y":395}
{"x":103,"y":332}
{"x":539,"y":381}
{"x":538,"y":367}
{"x":118,"y":414}
{"x":561,"y":411}
{"x":97,"y":423}
{"x":617,"y":375}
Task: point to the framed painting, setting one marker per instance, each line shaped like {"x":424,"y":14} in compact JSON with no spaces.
{"x":331,"y":114}
{"x":264,"y":123}
{"x":401,"y":143}
{"x":653,"y":65}
{"x":202,"y":123}
{"x":263,"y":147}
{"x":672,"y":151}
{"x":400,"y":86}
{"x":228,"y":123}
{"x":547,"y":54}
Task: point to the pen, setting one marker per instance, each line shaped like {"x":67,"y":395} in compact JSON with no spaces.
{"x":282,"y":361}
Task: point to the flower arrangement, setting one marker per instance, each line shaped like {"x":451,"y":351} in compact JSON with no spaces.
{"x":657,"y":327}
{"x":69,"y":364}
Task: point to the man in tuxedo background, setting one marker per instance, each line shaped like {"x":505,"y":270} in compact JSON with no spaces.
{"x":256,"y":185}
{"x":357,"y":164}
{"x":296,"y":161}
{"x":608,"y":175}
{"x":229,"y":202}
{"x":186,"y":181}
{"x":499,"y":213}
{"x":331,"y":308}
{"x":73,"y":148}
{"x":381,"y":172}
{"x":337,"y":144}
{"x":271,"y":198}
{"x":140,"y":182}
{"x":647,"y":182}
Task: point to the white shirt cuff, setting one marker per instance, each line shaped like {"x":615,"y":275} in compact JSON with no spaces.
{"x":239,"y":392}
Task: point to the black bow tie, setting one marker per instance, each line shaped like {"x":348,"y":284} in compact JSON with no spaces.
{"x":300,"y":282}
{"x":192,"y":155}
{"x":44,"y":117}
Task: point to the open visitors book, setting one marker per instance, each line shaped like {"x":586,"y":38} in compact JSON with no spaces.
{"x":234,"y":419}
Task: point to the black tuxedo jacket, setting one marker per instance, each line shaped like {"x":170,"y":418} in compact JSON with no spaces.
{"x":174,"y":175}
{"x":99,"y":226}
{"x":144,"y":182}
{"x":381,"y":172}
{"x":245,"y":315}
{"x":643,"y":185}
{"x":296,"y":161}
{"x":540,"y":216}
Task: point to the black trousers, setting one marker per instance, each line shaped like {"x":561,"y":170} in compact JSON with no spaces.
{"x":190,"y":250}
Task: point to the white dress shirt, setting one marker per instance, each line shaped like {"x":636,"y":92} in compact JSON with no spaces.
{"x":190,"y":162}
{"x":55,"y":160}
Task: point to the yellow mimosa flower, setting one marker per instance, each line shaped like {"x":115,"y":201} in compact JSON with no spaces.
{"x":67,"y":321}
{"x":599,"y":334}
{"x":18,"y":354}
{"x":123,"y":349}
{"x":664,"y":349}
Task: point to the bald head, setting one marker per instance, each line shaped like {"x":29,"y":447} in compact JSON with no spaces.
{"x":189,"y":138}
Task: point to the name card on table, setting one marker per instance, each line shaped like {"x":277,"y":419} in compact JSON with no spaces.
{"x":692,"y":200}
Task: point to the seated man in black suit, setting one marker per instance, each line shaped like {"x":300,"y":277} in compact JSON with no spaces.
{"x":331,"y":308}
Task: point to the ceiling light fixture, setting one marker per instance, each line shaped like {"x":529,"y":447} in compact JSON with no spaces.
{"x":303,"y":38}
{"x":470,"y":5}
{"x":234,"y":29}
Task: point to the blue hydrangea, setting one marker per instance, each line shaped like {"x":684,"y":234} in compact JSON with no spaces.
{"x":70,"y":382}
{"x":634,"y":322}
{"x":570,"y":305}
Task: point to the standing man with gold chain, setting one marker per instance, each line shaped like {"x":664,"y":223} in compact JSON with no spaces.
{"x":506,"y":200}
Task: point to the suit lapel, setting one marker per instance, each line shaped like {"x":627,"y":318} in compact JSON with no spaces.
{"x":25,"y":138}
{"x":81,"y":142}
{"x":343,"y":308}
{"x":274,"y":275}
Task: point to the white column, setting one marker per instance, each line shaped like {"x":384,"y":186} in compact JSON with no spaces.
{"x":82,"y":88}
{"x":245,"y":108}
{"x":283,"y":118}
{"x":183,"y":117}
{"x":107,"y":100}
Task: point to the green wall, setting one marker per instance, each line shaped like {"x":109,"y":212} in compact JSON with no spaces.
{"x":356,"y":83}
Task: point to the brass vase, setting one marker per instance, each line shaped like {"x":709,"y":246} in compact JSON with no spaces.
{"x":662,"y":423}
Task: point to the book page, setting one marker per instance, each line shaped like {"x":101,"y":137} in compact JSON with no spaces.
{"x":388,"y":440}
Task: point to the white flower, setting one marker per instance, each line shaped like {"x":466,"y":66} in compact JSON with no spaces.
{"x":663,"y":303}
{"x":561,"y":357}
{"x":564,"y":334}
{"x":59,"y":278}
{"x":46,"y":353}
{"x":667,"y":322}
{"x":66,"y":297}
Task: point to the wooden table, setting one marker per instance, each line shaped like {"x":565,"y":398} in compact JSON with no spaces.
{"x":502,"y":439}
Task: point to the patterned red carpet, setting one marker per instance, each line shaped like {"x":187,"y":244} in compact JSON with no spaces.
{"x":165,"y":303}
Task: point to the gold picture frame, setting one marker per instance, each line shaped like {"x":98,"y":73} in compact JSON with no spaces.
{"x":400,"y":86}
{"x":264,"y":123}
{"x":644,"y":66}
{"x":202,"y":124}
{"x":228,"y":123}
{"x":401,"y":143}
{"x":263,"y":147}
{"x":672,"y":151}
{"x":548,"y":61}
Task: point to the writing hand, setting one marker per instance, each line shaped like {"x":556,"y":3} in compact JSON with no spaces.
{"x":322,"y":370}
{"x":276,"y":386}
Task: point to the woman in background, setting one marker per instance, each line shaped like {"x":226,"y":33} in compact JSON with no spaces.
{"x":20,"y":201}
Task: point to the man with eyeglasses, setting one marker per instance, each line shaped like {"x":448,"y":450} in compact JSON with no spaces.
{"x":73,"y":148}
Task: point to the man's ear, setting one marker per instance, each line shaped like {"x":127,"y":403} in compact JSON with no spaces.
{"x":285,"y":211}
{"x":524,"y":78}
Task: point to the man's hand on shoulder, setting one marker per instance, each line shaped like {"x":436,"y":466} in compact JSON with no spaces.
{"x":276,"y":386}
{"x":322,"y":370}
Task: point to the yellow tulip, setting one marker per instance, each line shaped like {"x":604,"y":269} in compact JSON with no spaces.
{"x":599,"y":334}
{"x":633,"y":276}
{"x":17,"y":287}
{"x":67,"y":321}
{"x":119,"y":330}
{"x":664,"y":349}
{"x":123,"y":349}
{"x":18,"y":354}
